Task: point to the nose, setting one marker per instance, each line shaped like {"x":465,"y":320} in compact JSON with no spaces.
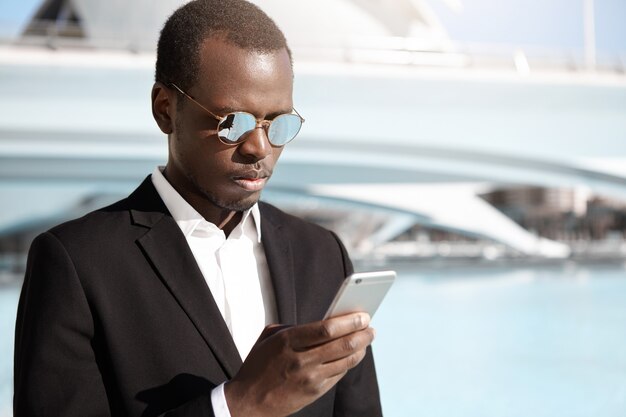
{"x":256,"y":146}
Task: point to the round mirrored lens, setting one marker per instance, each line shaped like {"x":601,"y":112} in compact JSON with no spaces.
{"x":284,"y":128}
{"x":234,"y":126}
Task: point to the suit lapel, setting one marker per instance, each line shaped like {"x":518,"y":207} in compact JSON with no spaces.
{"x":280,"y":262}
{"x":167,"y":249}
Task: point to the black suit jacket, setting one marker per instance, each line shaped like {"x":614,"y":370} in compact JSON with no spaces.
{"x":115,"y":317}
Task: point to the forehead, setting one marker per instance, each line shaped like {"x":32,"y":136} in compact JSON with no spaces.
{"x":237,"y":78}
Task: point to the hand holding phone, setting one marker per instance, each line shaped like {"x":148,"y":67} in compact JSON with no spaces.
{"x":361,"y":291}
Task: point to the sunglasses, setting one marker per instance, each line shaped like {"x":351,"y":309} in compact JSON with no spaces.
{"x":232,"y":128}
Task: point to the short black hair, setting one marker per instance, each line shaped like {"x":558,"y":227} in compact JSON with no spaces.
{"x":237,"y":21}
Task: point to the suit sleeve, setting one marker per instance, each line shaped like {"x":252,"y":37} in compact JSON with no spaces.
{"x":56,"y":373}
{"x":357,"y":393}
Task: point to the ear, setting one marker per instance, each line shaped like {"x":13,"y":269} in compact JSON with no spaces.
{"x":163,"y":107}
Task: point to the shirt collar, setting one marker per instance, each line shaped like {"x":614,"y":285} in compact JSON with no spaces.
{"x":188,"y":219}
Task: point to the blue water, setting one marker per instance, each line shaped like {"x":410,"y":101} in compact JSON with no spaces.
{"x":8,"y":309}
{"x":482,"y":341}
{"x":491,"y":342}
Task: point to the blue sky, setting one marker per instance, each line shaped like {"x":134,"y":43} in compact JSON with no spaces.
{"x":547,"y":23}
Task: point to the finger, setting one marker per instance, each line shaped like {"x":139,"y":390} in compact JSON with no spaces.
{"x":320,"y":332}
{"x":343,"y":347}
{"x":341,"y":366}
{"x":332,"y":381}
{"x":336,"y":350}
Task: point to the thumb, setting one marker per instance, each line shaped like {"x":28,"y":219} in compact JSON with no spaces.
{"x":272,"y":329}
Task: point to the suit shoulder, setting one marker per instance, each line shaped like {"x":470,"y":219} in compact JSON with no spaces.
{"x":310,"y":237}
{"x":104,"y":219}
{"x":276,"y":216}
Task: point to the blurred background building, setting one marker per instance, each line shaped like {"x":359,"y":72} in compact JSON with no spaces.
{"x":442,"y":137}
{"x":76,"y":130}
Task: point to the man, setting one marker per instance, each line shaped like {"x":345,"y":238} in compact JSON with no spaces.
{"x":153,"y":306}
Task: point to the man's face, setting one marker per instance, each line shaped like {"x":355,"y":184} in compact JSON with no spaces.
{"x":203,"y":169}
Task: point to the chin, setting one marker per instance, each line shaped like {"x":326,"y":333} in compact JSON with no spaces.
{"x":239,"y":205}
{"x":226,"y":199}
{"x":233,"y":203}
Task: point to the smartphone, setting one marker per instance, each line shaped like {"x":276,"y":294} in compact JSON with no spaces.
{"x":361,"y":291}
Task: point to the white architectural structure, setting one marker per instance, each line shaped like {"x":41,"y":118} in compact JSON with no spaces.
{"x":388,"y":99}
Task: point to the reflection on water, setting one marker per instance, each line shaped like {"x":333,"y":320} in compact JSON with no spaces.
{"x":491,"y":341}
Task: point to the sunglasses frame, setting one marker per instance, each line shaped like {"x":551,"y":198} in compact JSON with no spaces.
{"x":265,"y":124}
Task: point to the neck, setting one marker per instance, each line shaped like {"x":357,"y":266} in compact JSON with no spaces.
{"x":224,"y":219}
{"x":227,"y":220}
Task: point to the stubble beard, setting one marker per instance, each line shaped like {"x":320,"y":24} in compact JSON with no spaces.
{"x":238,"y":205}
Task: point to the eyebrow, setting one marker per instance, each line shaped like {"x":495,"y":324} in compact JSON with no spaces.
{"x":221,"y":111}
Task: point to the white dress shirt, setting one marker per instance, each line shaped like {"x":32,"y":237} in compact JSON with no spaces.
{"x":234,"y":268}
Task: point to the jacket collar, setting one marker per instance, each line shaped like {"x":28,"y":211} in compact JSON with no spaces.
{"x":277,"y":245}
{"x":167,"y":250}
